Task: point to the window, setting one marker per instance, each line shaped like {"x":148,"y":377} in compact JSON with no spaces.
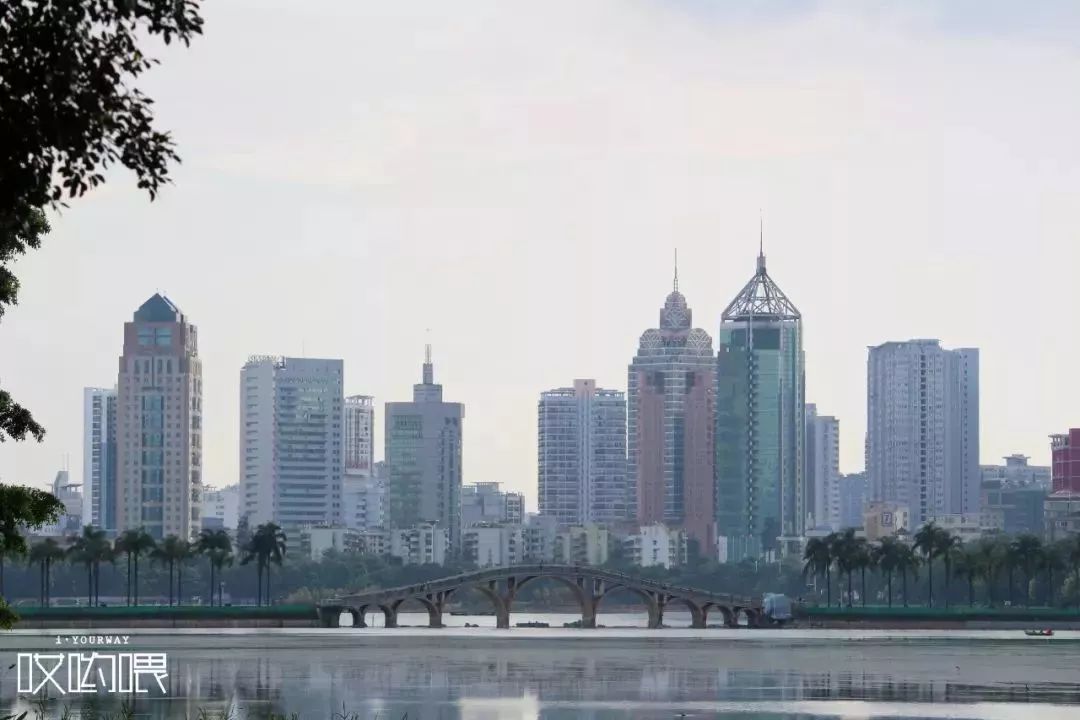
{"x":163,"y":336}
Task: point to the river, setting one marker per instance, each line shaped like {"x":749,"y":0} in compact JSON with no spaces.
{"x":604,"y":674}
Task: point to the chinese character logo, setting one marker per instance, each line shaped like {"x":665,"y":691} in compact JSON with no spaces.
{"x":75,"y":673}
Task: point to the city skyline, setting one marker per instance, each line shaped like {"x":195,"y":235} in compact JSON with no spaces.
{"x":869,"y":221}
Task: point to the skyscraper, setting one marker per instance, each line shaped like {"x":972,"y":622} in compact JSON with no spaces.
{"x":99,"y":458}
{"x":760,"y":422}
{"x":359,"y":435}
{"x":582,"y":454}
{"x":822,"y":470}
{"x":669,"y":425}
{"x":423,"y":441}
{"x":922,"y":433}
{"x":159,"y":423}
{"x":291,"y":447}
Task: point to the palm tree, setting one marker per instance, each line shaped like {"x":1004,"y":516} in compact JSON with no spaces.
{"x":1051,"y":559}
{"x":948,"y":546}
{"x":991,"y":558}
{"x":216,"y":545}
{"x":185,"y":552}
{"x":969,"y":566}
{"x":862,"y":559}
{"x":1027,"y":550}
{"x":818,"y":561}
{"x":270,"y":540}
{"x":171,"y":550}
{"x":844,"y":550}
{"x":1011,"y":559}
{"x":135,"y":544}
{"x":908,"y":562}
{"x":90,"y":548}
{"x":928,"y":542}
{"x":886,"y":557}
{"x":45,"y":553}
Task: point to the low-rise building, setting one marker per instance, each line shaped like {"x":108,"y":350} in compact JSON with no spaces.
{"x":1012,"y":509}
{"x":539,"y":533}
{"x":1061,"y":515}
{"x":657,"y":544}
{"x":493,"y":545}
{"x":587,"y":545}
{"x":966,"y":526}
{"x":374,"y":541}
{"x":422,"y":544}
{"x":221,"y":508}
{"x":316,"y":541}
{"x":885,"y":519}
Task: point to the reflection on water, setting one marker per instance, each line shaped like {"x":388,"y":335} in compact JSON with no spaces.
{"x":350,"y":675}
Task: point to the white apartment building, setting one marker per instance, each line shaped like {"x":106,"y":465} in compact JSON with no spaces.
{"x":99,"y":458}
{"x":822,"y":474}
{"x":922,"y":443}
{"x":582,"y":454}
{"x":494,"y":545}
{"x":316,"y":541}
{"x":584,"y":545}
{"x":422,"y":544}
{"x":359,"y":419}
{"x":657,"y":544}
{"x":291,"y":442}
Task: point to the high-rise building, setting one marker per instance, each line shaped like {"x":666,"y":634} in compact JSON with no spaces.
{"x":582,"y":454}
{"x":159,"y":423}
{"x":99,"y":458}
{"x":853,"y":498}
{"x":359,"y":434}
{"x":760,"y":422}
{"x":291,"y":442}
{"x":669,"y":425}
{"x":922,"y":440}
{"x":822,"y":471}
{"x":423,"y":441}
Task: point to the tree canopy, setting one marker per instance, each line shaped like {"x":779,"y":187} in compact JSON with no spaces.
{"x":68,"y":111}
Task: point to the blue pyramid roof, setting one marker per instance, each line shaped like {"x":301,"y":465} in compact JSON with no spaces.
{"x":158,"y":309}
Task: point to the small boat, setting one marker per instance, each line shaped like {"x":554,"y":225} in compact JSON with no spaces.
{"x":533,"y":625}
{"x":1040,"y":633}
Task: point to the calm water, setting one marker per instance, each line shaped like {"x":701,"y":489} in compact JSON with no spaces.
{"x":604,"y":674}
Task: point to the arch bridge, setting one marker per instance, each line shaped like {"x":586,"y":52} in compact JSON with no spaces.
{"x":588,"y":585}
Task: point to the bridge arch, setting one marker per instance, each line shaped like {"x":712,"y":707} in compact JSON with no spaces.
{"x":698,"y":613}
{"x":652,"y":605}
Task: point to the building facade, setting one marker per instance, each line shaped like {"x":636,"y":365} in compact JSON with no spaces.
{"x":760,"y":423}
{"x":291,"y":442}
{"x":853,"y":497}
{"x":423,"y":441}
{"x":425,"y":543}
{"x":886,"y":519}
{"x":159,"y":424}
{"x":922,"y":442}
{"x":493,"y":545}
{"x":359,"y":419}
{"x":582,"y":454}
{"x":486,"y":503}
{"x":670,"y":425}
{"x":657,"y":544}
{"x":822,"y":471}
{"x":586,"y":545}
{"x":99,"y":458}
{"x":1062,"y":507}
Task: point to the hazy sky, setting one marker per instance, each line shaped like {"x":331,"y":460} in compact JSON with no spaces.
{"x":515,"y":176}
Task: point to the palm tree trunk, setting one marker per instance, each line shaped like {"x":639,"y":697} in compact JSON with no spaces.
{"x":1011,"y":583}
{"x":1050,"y":587}
{"x":946,"y":591}
{"x":903,"y":579}
{"x":971,"y":591}
{"x":179,"y":578}
{"x":129,"y":579}
{"x":97,"y":582}
{"x":211,"y":583}
{"x":135,"y":585}
{"x":849,"y":588}
{"x":863,"y":586}
{"x":268,"y":600}
{"x":828,"y":585}
{"x":930,"y":579}
{"x":90,"y":584}
{"x":888,"y":581}
{"x":258,"y":591}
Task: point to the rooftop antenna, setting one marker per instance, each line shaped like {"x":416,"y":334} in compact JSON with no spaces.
{"x":429,"y":370}
{"x":676,"y":269}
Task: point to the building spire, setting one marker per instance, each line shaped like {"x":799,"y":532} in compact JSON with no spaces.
{"x":761,"y":243}
{"x":676,"y":270}
{"x":429,"y":368}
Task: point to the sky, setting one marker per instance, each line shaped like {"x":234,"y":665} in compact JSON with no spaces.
{"x":509,"y":181}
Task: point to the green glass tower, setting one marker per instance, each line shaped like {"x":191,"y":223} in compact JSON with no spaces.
{"x":759,"y":424}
